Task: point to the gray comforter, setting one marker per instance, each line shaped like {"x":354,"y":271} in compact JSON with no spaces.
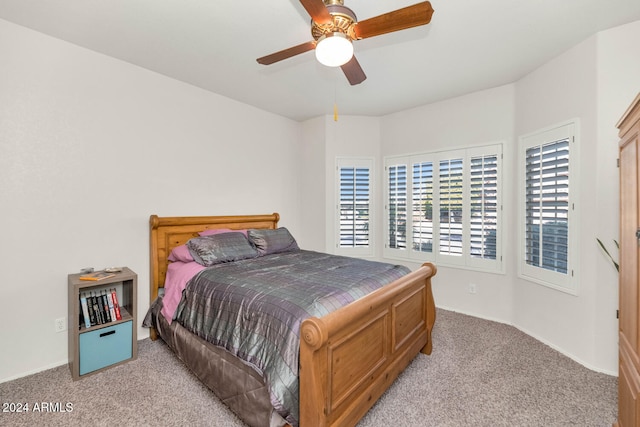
{"x":254,"y":308}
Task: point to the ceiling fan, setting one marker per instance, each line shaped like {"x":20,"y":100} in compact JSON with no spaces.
{"x":334,"y":27}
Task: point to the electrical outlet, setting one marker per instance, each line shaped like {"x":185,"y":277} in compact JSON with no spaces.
{"x":61,"y":324}
{"x":472,"y":288}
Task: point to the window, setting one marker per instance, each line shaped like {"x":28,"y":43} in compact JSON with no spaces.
{"x":354,"y":206}
{"x":547,"y":223}
{"x":452,"y":213}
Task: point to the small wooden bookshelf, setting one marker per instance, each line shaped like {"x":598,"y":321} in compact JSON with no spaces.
{"x":108,"y":340}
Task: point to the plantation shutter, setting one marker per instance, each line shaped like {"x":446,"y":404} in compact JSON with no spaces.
{"x":422,"y":207}
{"x":451,"y":211}
{"x":397,"y":206}
{"x":354,"y":206}
{"x":547,"y":205}
{"x":484,"y":206}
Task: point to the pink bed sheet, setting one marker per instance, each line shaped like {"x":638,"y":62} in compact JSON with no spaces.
{"x":178,"y":275}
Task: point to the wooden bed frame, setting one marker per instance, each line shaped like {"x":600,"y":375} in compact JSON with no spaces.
{"x":349,"y":357}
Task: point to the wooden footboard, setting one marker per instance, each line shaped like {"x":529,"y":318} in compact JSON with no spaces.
{"x":351,"y":356}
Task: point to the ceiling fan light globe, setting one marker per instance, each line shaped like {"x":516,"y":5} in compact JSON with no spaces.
{"x":334,"y":49}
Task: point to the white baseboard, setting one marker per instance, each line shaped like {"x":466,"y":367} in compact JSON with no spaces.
{"x":35,"y":371}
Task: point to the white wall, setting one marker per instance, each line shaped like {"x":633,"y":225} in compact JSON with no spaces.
{"x":312,"y":179}
{"x":560,"y":90}
{"x":90,"y":147}
{"x":595,"y":81}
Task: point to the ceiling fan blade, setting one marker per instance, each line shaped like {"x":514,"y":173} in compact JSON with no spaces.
{"x":287,"y":53}
{"x":318,"y":11}
{"x":353,"y":71}
{"x":401,"y":19}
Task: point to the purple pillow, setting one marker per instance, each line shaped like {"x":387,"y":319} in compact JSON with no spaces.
{"x":180,"y":254}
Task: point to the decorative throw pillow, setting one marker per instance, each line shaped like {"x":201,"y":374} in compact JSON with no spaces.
{"x":269,"y":241}
{"x":219,"y":248}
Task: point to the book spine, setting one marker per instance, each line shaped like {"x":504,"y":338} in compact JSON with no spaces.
{"x":105,"y":306}
{"x":92,"y":314}
{"x":99,"y":309}
{"x":112,"y":311}
{"x":85,"y":311}
{"x":116,"y":306}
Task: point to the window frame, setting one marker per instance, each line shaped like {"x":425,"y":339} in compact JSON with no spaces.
{"x":354,"y":162}
{"x":465,"y":260}
{"x":565,"y":282}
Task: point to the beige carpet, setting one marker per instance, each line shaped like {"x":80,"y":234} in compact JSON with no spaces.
{"x":481,"y":373}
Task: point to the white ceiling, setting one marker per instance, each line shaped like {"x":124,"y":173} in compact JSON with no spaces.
{"x":469,"y":45}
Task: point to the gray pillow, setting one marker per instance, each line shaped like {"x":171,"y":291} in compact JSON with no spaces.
{"x":269,"y":241}
{"x":218,"y":248}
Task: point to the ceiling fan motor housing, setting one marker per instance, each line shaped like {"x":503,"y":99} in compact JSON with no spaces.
{"x":343,"y":20}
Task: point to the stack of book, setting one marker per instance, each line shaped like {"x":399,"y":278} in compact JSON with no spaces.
{"x":99,"y":307}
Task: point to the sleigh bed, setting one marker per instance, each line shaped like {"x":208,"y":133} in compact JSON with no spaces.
{"x":347,"y":358}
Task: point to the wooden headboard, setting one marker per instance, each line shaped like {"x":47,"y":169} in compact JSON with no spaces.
{"x":169,"y":232}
